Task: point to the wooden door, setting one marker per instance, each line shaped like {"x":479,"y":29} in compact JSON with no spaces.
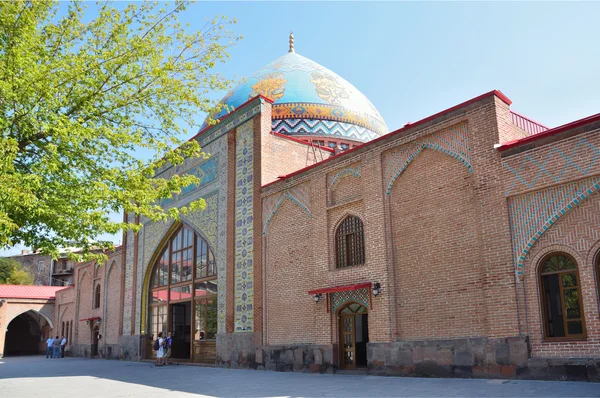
{"x":347,"y":341}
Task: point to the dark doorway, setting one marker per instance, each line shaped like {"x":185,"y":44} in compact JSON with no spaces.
{"x":181,"y":323}
{"x":95,"y":340}
{"x":354,"y":336}
{"x":23,"y":336}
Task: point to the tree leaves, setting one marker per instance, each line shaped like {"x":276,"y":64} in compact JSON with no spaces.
{"x":80,"y":98}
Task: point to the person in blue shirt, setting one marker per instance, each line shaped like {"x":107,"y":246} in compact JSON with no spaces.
{"x":168,"y":342}
{"x":49,"y":347}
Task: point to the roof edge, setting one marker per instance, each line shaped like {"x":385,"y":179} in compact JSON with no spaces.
{"x":496,"y":93}
{"x":550,"y":132}
{"x":224,"y":117}
{"x":299,"y":141}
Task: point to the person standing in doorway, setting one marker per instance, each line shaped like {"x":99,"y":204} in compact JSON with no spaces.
{"x":49,"y":346}
{"x":168,"y":342}
{"x":63,"y":343}
{"x":56,"y":348}
{"x":160,"y":352}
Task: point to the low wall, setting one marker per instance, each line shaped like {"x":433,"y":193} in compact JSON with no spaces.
{"x":507,"y":358}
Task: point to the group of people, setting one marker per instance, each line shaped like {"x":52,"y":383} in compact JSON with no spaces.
{"x":162,"y":346}
{"x":56,"y":347}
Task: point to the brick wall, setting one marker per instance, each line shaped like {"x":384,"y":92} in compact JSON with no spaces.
{"x":576,"y":233}
{"x":290,"y":311}
{"x":437,"y":250}
{"x":112,"y":299}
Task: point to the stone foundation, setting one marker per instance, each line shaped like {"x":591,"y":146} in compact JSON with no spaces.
{"x":474,"y":357}
{"x":238,"y":351}
{"x":131,"y":347}
{"x":507,"y":358}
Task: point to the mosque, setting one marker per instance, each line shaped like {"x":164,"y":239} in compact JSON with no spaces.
{"x":466,"y":244}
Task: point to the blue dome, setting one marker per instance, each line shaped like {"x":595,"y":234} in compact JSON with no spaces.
{"x":310,"y":101}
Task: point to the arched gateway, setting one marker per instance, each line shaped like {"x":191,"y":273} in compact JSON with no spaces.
{"x":183,"y":297}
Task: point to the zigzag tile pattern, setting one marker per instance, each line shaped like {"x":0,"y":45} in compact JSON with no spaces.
{"x":355,"y":171}
{"x":532,"y":214}
{"x":298,"y":195}
{"x":555,"y":167}
{"x":453,"y":141}
{"x":323,"y":128}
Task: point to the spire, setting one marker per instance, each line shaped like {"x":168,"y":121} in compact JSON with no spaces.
{"x":291,"y":43}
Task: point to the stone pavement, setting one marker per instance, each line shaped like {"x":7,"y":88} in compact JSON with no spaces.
{"x":78,"y":377}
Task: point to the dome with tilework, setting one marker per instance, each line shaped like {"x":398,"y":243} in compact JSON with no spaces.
{"x":310,"y":101}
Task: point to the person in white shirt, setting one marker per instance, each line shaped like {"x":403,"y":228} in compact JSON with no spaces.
{"x":49,"y":346}
{"x":63,"y":344}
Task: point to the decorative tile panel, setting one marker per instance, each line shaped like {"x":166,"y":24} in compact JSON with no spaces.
{"x":154,"y":232}
{"x":205,"y":220}
{"x":534,"y":213}
{"x":555,"y":166}
{"x":352,"y":171}
{"x":338,"y":299}
{"x":215,"y":132}
{"x":323,"y":128}
{"x":453,"y":141}
{"x":298,"y":195}
{"x":244,"y":200}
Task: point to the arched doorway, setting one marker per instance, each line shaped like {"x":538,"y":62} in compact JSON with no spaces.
{"x":95,"y":339}
{"x":183,"y":297}
{"x":25,"y":334}
{"x":354,"y":335}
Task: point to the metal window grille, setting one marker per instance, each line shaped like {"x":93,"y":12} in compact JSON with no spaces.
{"x":350,"y":243}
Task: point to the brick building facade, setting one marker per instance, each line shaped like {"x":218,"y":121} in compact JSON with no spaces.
{"x":465,"y":244}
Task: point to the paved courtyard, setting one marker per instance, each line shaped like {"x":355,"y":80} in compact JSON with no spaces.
{"x":77,"y":377}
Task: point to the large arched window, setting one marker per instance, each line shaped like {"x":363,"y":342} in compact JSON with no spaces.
{"x":97,"y":296}
{"x":183,"y":299}
{"x":349,"y":243}
{"x":562,"y":310}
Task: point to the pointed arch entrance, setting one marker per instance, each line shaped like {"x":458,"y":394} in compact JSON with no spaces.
{"x":183,"y":296}
{"x":353,"y":326}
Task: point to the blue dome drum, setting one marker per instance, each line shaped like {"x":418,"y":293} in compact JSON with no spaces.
{"x":310,"y":101}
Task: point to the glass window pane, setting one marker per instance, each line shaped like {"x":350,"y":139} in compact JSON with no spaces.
{"x":200,"y":332}
{"x":212,"y":267}
{"x":158,"y":296}
{"x":186,"y":235}
{"x":201,"y":258}
{"x":206,"y":319}
{"x":186,"y":272}
{"x":176,"y":267}
{"x":211,"y":318}
{"x":162,"y":319}
{"x":572,"y":303}
{"x":206,"y":288}
{"x":575,"y":327}
{"x":164,"y":269}
{"x":181,"y":293}
{"x":553,"y":303}
{"x":569,"y":280}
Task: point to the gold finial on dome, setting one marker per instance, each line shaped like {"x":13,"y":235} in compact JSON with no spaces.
{"x":292,"y":43}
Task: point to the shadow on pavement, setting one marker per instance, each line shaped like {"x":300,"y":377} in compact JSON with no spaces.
{"x":249,"y":383}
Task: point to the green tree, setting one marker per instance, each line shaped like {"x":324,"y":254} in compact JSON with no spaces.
{"x":79,"y":97}
{"x":11,"y":272}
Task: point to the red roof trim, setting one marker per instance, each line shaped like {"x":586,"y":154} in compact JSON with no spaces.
{"x":529,"y":119}
{"x":29,"y":292}
{"x":547,"y":133}
{"x":95,"y":318}
{"x":496,"y":93}
{"x":276,"y":134}
{"x":340,"y":288}
{"x":224,"y":117}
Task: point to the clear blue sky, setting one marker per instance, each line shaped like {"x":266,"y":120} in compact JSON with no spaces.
{"x":415,"y":59}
